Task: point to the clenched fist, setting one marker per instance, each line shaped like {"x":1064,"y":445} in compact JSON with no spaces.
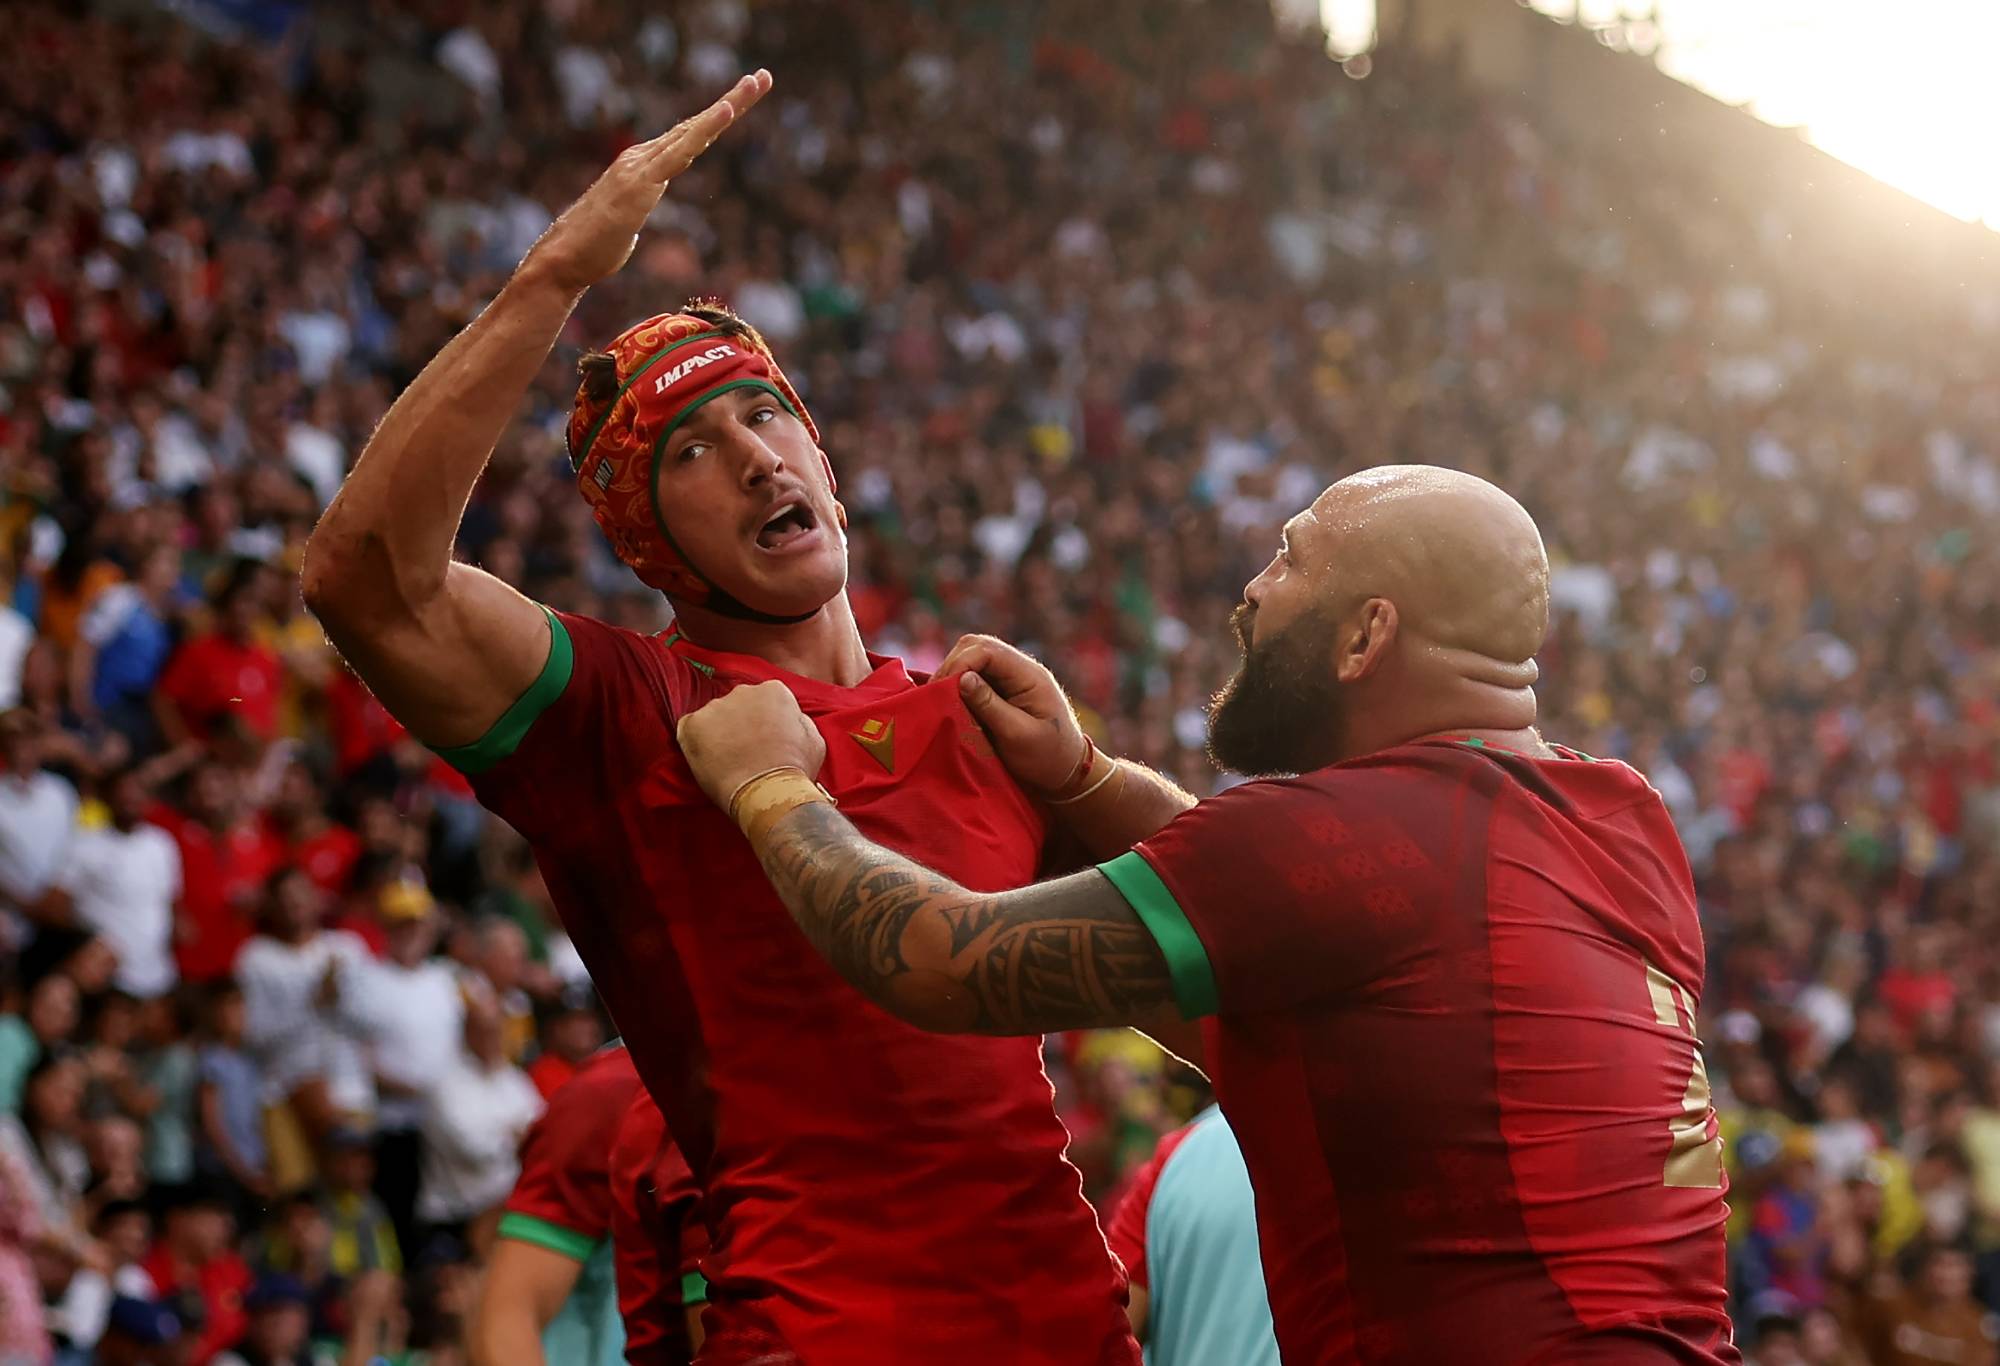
{"x":747,"y":731}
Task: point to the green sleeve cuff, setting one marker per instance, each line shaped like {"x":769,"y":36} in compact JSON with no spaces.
{"x":694,"y":1288}
{"x":526,"y":1228}
{"x":1187,"y":960}
{"x":507,"y":733}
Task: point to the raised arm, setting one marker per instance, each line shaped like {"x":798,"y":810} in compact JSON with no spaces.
{"x":448,"y":648}
{"x":1110,"y":804}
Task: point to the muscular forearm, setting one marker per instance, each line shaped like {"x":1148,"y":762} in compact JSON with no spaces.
{"x":1135,"y":803}
{"x":385,"y":542}
{"x":1060,"y":955}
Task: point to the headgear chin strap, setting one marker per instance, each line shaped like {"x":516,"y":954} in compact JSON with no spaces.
{"x":669,"y":366}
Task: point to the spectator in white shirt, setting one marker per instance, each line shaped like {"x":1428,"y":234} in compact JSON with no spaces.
{"x":122,"y":882}
{"x":412,"y":1012}
{"x":473,"y":1127}
{"x":37,"y":818}
{"x":314,"y":1071}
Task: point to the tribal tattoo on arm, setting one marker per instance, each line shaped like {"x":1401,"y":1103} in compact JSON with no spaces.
{"x":1066,"y":954}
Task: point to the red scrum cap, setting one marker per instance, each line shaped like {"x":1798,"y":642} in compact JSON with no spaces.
{"x":668,"y":366}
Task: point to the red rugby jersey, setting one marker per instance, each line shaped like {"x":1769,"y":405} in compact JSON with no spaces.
{"x":1455,"y":994}
{"x":657,"y":1241}
{"x":562,"y":1200}
{"x":875,"y":1193}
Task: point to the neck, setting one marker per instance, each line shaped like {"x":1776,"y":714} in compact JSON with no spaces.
{"x":1500,"y":715}
{"x":826,"y":646}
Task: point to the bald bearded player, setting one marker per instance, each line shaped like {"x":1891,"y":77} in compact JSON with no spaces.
{"x":1449,"y":973}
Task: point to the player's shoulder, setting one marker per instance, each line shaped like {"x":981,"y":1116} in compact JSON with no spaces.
{"x":594,"y":663}
{"x":1400,"y":771}
{"x":592,"y":637}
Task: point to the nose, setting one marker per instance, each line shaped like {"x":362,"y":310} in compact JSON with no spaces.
{"x":1253,"y":591}
{"x":758,"y":461}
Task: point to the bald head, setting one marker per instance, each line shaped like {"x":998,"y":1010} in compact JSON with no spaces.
{"x":1460,"y":559}
{"x":1406,"y":601}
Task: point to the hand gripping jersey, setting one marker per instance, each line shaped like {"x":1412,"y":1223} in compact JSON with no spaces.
{"x":563,"y":1201}
{"x":1454,"y":993}
{"x":875,"y":1194}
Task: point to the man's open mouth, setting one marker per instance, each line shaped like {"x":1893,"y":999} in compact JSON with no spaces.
{"x":785,"y":525}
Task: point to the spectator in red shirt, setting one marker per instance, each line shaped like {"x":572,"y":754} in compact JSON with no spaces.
{"x":1916,"y":984}
{"x":313,"y":842}
{"x":199,"y":1273}
{"x":225,"y":682}
{"x":571,"y":1031}
{"x":226,"y":854}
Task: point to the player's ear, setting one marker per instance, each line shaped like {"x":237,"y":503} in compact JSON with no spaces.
{"x":1363,"y":651}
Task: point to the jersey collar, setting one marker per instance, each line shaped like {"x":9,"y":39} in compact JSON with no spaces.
{"x":888,"y":674}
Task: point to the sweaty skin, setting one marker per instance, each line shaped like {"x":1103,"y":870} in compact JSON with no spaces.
{"x":1441,"y":585}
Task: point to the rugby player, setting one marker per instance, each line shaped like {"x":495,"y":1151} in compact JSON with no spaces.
{"x":547,"y":1293}
{"x":875,"y":1194}
{"x":1451,"y":971}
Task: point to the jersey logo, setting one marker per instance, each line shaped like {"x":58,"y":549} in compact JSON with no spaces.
{"x":879,"y":739}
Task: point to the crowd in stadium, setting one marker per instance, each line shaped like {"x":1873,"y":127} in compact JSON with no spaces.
{"x":1087,"y":300}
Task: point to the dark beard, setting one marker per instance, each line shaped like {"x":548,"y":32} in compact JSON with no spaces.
{"x":1282,"y":710}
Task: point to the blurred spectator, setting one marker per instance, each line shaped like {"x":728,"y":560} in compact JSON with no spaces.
{"x":1935,"y":1318}
{"x":312,"y":1070}
{"x":230,"y":1098}
{"x":142,"y":1333}
{"x":121,"y":882}
{"x":473,"y":1126}
{"x":24,"y":1337}
{"x":279,"y":1329}
{"x":49,"y":1017}
{"x":572,"y":1029}
{"x":37,"y":821}
{"x":1842,"y":1140}
{"x":224,"y":685}
{"x":499,"y":973}
{"x":122,"y":645}
{"x":363,"y":1239}
{"x":47,"y":1139}
{"x":165,"y":1066}
{"x":78,"y":1318}
{"x":413,"y":1015}
{"x":312,"y":840}
{"x":198,"y":1271}
{"x":226,"y":855}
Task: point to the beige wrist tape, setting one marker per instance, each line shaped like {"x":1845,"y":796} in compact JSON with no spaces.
{"x":759,"y":803}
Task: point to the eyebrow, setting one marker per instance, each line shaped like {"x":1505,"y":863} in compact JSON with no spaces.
{"x":700,"y":423}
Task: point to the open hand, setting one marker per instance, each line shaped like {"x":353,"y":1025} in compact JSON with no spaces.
{"x":595,"y":235}
{"x":748,"y":730}
{"x":1021,"y":707}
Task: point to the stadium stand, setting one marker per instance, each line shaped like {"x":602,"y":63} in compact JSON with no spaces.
{"x":1086,"y":297}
